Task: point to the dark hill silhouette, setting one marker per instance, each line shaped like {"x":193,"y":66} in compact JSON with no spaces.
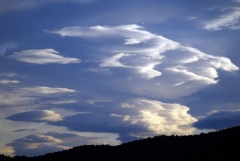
{"x":222,"y":145}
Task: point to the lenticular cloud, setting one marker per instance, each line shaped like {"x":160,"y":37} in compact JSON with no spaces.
{"x":42,"y":56}
{"x":155,"y":59}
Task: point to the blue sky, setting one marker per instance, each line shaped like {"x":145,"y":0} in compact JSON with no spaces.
{"x":75,"y":72}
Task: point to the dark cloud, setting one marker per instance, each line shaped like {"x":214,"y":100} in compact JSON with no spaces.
{"x":40,"y":144}
{"x":92,"y":122}
{"x":36,"y":144}
{"x":35,"y":116}
{"x":22,"y":130}
{"x":133,"y":119}
{"x":219,"y":120}
{"x":100,"y":122}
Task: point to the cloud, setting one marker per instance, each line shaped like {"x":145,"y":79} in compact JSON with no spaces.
{"x":13,"y":96}
{"x":36,"y":116}
{"x":40,"y":144}
{"x":8,"y":74}
{"x":9,"y":99}
{"x":152,"y":60}
{"x":39,"y":138}
{"x":44,"y":90}
{"x":42,"y":56}
{"x":59,"y":102}
{"x":136,"y":118}
{"x":229,"y":20}
{"x":7,"y":150}
{"x":219,"y":120}
{"x":23,"y":130}
{"x":29,"y":95}
{"x":159,"y":117}
{"x":5,"y":81}
{"x":36,"y":144}
{"x":6,"y":47}
{"x":15,"y":5}
{"x":114,"y":61}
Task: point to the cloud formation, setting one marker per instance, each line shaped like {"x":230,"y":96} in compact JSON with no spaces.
{"x":5,"y":81}
{"x":42,"y":143}
{"x":44,"y":90}
{"x":219,"y":120}
{"x":10,"y":99}
{"x":28,"y":95}
{"x":134,"y":119}
{"x":36,"y":144}
{"x":36,"y":116}
{"x":159,"y":117}
{"x":42,"y":56}
{"x":154,"y":58}
{"x":228,"y":20}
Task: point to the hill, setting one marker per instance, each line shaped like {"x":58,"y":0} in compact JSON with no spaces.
{"x":222,"y":145}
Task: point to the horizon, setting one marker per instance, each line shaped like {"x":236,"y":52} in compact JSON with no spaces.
{"x":83,"y":72}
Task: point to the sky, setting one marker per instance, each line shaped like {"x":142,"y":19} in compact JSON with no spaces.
{"x":78,"y":72}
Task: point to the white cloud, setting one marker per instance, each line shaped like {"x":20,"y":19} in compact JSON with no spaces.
{"x":114,"y":61}
{"x":148,"y":70}
{"x":229,"y":20}
{"x":134,"y":118}
{"x":48,"y":115}
{"x":59,"y":102}
{"x":159,"y":117}
{"x":127,"y":31}
{"x":5,"y":81}
{"x":176,"y":69}
{"x":44,"y":90}
{"x":42,"y":56}
{"x":190,"y":76}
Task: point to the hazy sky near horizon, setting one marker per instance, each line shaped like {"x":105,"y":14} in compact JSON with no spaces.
{"x":75,"y":72}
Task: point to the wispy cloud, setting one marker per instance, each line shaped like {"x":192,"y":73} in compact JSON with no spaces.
{"x":229,"y":20}
{"x":44,"y":90}
{"x":154,"y":58}
{"x":28,"y":95}
{"x":7,"y":47}
{"x":5,"y":81}
{"x":42,"y":56}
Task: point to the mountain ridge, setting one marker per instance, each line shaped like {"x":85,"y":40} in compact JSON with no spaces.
{"x":219,"y":145}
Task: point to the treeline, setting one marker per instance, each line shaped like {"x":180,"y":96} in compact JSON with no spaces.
{"x":222,"y":145}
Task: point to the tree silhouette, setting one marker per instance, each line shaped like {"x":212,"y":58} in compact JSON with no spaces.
{"x":221,"y":145}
